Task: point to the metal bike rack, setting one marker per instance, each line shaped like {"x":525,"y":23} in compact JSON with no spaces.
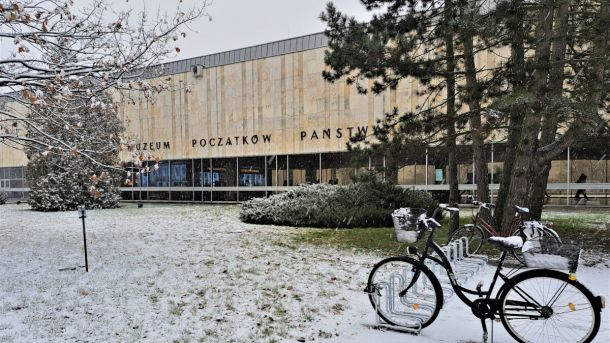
{"x":380,"y":324}
{"x":465,"y":266}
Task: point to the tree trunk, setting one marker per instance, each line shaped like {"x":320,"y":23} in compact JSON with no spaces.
{"x":526,"y":149}
{"x":454,"y":193}
{"x":551,"y":118}
{"x":473,"y":98}
{"x":517,"y":79}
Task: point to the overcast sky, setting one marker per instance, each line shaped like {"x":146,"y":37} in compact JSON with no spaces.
{"x":241,"y":23}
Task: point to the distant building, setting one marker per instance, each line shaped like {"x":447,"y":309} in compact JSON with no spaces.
{"x":261,"y":119}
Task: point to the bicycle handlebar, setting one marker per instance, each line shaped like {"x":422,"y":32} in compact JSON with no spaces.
{"x":430,"y":221}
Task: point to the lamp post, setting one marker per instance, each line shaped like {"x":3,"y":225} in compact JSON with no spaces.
{"x":82,"y":212}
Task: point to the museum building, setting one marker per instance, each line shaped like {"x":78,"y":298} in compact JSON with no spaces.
{"x":261,"y":119}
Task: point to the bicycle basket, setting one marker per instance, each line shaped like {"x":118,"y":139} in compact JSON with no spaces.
{"x":406,"y":223}
{"x":543,"y":254}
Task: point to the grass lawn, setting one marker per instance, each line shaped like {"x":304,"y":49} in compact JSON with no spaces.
{"x":590,"y":228}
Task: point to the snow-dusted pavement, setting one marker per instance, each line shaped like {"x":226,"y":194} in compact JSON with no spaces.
{"x":196,"y":273}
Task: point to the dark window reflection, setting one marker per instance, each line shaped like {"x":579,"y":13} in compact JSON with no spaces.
{"x":304,"y":169}
{"x":224,"y":172}
{"x":182,"y":173}
{"x":252,"y":171}
{"x":158,"y":177}
{"x":280,"y":176}
{"x":339,"y":168}
{"x":203,"y":173}
{"x":158,"y":195}
{"x":182,"y":196}
{"x":224,"y":196}
{"x":244,"y":196}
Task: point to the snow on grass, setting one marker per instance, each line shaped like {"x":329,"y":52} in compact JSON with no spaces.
{"x":593,"y":219}
{"x":193,"y":273}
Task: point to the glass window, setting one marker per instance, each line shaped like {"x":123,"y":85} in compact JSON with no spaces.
{"x":140,"y":195}
{"x":181,"y":173}
{"x":141,"y":179}
{"x":339,"y":168}
{"x":304,"y":169}
{"x":16,"y":173}
{"x":158,"y":195}
{"x":224,"y":172}
{"x":252,"y":171}
{"x":280,"y":175}
{"x":159,"y":177}
{"x":202,"y":172}
{"x":126,"y":196}
{"x":224,"y":196}
{"x":181,"y":196}
{"x":245,"y":196}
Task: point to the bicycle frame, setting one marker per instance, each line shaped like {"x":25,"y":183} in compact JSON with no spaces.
{"x":483,"y":224}
{"x":443,"y":261}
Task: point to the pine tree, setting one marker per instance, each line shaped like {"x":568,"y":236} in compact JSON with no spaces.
{"x":550,"y":92}
{"x":558,"y":93}
{"x":434,"y":43}
{"x":394,"y":46}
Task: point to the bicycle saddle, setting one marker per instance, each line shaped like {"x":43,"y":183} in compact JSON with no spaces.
{"x":507,"y":243}
{"x":522,"y":210}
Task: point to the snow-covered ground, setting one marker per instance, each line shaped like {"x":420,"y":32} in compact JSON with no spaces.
{"x":196,"y":273}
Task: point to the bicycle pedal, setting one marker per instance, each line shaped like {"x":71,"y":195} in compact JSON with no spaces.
{"x":479,"y":288}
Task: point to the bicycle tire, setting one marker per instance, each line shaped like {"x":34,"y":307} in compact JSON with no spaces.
{"x":520,"y":315}
{"x":553,"y":244}
{"x":475,"y":237}
{"x":422,"y":302}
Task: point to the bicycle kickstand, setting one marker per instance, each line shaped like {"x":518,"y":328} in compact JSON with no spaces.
{"x":485,"y":335}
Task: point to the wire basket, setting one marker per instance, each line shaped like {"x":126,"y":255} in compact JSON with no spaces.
{"x":406,"y":223}
{"x":548,"y":255}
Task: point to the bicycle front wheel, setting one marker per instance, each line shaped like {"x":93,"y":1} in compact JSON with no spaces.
{"x":421,"y":301}
{"x":473,"y":233}
{"x":546,"y":306}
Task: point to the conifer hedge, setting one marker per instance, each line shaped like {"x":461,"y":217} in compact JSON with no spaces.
{"x":361,"y":204}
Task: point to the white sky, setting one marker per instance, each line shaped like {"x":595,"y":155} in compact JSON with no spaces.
{"x":241,"y":23}
{"x":235,"y":23}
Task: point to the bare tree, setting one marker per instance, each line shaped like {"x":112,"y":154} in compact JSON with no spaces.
{"x":96,"y":50}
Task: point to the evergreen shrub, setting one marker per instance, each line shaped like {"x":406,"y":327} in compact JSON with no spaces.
{"x":361,"y":204}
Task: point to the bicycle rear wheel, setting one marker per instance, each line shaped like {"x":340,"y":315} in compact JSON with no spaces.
{"x":544,"y":305}
{"x":420,"y":304}
{"x":473,"y":233}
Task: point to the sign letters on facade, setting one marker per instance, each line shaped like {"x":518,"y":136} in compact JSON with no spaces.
{"x":303,"y":135}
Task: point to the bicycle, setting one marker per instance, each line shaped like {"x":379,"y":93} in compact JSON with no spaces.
{"x":406,"y":293}
{"x":482,"y":228}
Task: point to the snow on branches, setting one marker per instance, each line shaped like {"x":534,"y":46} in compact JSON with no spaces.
{"x":65,"y":59}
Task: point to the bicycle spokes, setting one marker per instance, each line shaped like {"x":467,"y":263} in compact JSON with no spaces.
{"x":548,"y":310}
